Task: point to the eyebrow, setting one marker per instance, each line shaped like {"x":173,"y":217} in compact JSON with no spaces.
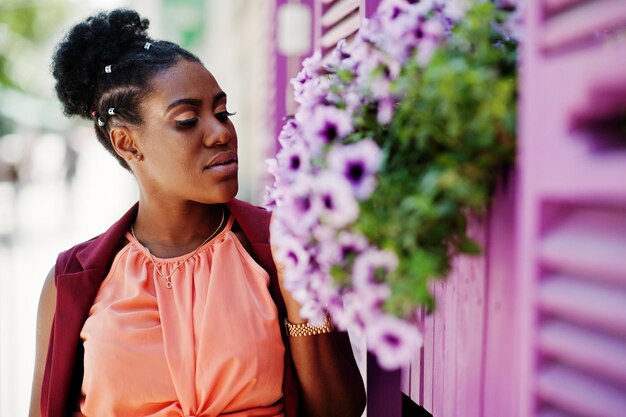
{"x":194,"y":101}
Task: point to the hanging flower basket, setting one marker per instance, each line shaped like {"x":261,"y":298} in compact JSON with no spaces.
{"x":397,"y":136}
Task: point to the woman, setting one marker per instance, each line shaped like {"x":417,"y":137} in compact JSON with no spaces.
{"x":177,"y":309}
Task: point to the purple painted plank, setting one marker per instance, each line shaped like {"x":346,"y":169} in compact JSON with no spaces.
{"x":384,"y":398}
{"x":439,"y":349}
{"x":416,"y":386}
{"x":428,"y":368}
{"x":470,"y":317}
{"x":501,"y":339}
{"x":448,"y":392}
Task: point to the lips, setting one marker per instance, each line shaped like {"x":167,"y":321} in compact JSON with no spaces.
{"x":222,"y":159}
{"x":223,"y":165}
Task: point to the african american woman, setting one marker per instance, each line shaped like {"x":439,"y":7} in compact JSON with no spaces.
{"x":178,"y":309}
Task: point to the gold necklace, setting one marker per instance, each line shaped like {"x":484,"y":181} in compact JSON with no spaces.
{"x":167,"y":278}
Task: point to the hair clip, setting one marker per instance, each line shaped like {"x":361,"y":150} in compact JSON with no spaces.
{"x":107,"y":69}
{"x":147,"y":46}
{"x":111,"y":111}
{"x":100,"y":122}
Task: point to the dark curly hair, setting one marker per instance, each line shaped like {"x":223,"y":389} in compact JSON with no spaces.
{"x":88,"y":87}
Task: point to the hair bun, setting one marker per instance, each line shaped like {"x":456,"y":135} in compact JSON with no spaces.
{"x":80,"y":59}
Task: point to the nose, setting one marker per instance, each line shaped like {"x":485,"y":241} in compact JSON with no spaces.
{"x":216,"y":133}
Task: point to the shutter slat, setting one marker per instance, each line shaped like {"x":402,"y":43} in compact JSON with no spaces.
{"x":590,"y":242}
{"x":576,"y":393}
{"x":591,"y":351}
{"x":583,"y":302}
{"x":553,"y":413}
{"x":553,"y":6}
{"x":338,"y":11}
{"x":341,"y":30}
{"x":582,"y":23}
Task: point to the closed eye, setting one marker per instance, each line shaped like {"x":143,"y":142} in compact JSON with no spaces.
{"x":223,"y":116}
{"x":187,"y":123}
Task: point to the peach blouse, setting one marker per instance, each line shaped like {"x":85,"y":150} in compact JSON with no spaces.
{"x":208,"y":346}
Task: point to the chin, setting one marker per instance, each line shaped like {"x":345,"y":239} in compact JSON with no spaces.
{"x":224,"y":194}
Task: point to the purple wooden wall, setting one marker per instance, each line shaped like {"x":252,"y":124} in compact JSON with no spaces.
{"x":572,"y":216}
{"x":536,"y":325}
{"x":467,"y":365}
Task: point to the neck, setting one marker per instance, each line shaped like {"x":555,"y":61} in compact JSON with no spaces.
{"x":170,"y":229}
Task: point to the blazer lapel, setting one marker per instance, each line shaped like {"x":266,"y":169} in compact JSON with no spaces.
{"x":77,"y":284}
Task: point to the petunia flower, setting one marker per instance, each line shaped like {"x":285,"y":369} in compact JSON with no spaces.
{"x":293,"y":160}
{"x":299,"y":206}
{"x":324,"y":125}
{"x":290,"y":253}
{"x":289,"y":133}
{"x":338,"y":208}
{"x":357,"y":163}
{"x":393,"y":341}
{"x":385,"y":110}
{"x":370,"y":263}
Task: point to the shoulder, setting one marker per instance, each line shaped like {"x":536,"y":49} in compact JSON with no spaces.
{"x":254,"y":220}
{"x":98,"y":251}
{"x":67,"y":261}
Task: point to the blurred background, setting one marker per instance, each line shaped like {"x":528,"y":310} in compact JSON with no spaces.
{"x":57,"y":184}
{"x":534,"y":326}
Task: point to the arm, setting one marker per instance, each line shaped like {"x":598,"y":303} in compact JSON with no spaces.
{"x":45,"y":314}
{"x":329,"y":377}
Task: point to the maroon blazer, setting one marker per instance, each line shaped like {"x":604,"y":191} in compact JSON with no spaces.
{"x":79,"y":272}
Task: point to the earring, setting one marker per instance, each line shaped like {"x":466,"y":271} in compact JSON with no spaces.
{"x":139,"y":156}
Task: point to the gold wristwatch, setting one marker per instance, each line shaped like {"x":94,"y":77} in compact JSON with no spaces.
{"x":306,"y":329}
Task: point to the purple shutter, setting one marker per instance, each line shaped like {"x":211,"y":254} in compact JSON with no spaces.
{"x":339,"y":19}
{"x":572,"y":220}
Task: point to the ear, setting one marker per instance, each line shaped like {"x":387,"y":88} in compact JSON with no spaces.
{"x":124,"y":143}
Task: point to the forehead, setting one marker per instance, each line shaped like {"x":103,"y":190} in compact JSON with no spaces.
{"x":185,"y":79}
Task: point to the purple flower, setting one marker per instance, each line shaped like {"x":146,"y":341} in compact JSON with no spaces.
{"x":351,"y":244}
{"x":340,"y":56}
{"x":326,"y":124}
{"x":321,"y":283}
{"x":293,"y":160}
{"x":454,"y":9}
{"x":311,"y":68}
{"x":362,"y":306}
{"x":370,"y":263}
{"x":290,"y":253}
{"x":380,"y":86}
{"x":337,"y":204}
{"x":357,"y":163}
{"x":393,"y":341}
{"x":344,"y":248}
{"x":312,"y":312}
{"x":390,"y":10}
{"x":299,"y":206}
{"x":433,"y":34}
{"x":289,"y":133}
{"x":270,"y":197}
{"x":386,"y":107}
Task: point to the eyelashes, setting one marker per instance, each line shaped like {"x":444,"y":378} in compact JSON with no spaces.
{"x":223,"y":116}
{"x":188,"y":123}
